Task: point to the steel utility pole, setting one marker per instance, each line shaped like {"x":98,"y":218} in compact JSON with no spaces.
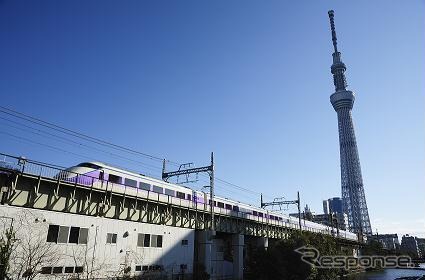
{"x":279,"y":201}
{"x":208,"y":169}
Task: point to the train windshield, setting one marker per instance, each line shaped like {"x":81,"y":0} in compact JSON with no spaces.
{"x":89,"y":165}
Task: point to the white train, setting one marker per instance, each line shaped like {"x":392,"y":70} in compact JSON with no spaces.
{"x":119,"y":180}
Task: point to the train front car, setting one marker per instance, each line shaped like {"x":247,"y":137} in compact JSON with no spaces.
{"x":85,"y":173}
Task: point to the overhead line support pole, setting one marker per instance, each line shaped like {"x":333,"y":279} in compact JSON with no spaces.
{"x":209,"y":169}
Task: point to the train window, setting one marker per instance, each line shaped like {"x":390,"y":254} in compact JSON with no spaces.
{"x":229,"y":207}
{"x":169,"y":192}
{"x":220,"y":204}
{"x":157,"y":189}
{"x":271,"y":217}
{"x":114,"y":179}
{"x":130,"y":182}
{"x":236,"y":208}
{"x":144,"y":186}
{"x":180,"y":195}
{"x":189,"y":197}
{"x":260,"y":214}
{"x":254,"y":213}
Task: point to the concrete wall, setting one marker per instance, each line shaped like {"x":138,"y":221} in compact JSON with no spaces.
{"x":98,"y":256}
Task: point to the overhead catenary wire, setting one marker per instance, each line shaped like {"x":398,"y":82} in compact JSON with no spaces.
{"x":101,"y":142}
{"x":75,"y":133}
{"x":77,"y":144}
{"x":53,"y":148}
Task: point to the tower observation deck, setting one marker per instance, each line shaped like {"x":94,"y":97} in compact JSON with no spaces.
{"x":353,"y":195}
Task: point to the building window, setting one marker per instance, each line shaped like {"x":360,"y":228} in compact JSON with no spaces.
{"x":157,"y":189}
{"x":84,"y":232}
{"x":74,"y":233}
{"x":57,"y":269}
{"x":46,"y":270}
{"x":156,"y":267}
{"x":147,"y":240}
{"x":130,"y":182}
{"x":154,"y":240}
{"x":138,"y":268}
{"x":79,"y":269}
{"x":52,"y":234}
{"x":111,"y":238}
{"x":69,"y":269}
{"x":145,"y":268}
{"x":63,"y":234}
{"x":140,"y":238}
{"x":183,"y":266}
{"x":185,"y":242}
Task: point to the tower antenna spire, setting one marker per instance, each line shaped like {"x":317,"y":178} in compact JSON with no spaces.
{"x":331,"y":19}
{"x":338,"y":67}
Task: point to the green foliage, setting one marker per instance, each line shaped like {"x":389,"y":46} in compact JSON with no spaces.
{"x":280,"y":261}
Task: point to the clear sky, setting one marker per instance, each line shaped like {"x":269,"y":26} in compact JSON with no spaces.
{"x":249,"y":80}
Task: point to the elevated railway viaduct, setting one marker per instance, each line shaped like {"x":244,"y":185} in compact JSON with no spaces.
{"x":135,"y":230}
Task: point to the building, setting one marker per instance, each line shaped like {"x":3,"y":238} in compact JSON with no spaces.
{"x":388,"y":241}
{"x":325,"y":207}
{"x":421,"y":246}
{"x":353,"y":196}
{"x":340,"y":221}
{"x":409,"y":245}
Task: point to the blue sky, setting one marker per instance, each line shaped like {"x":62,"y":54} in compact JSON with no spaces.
{"x":249,"y":80}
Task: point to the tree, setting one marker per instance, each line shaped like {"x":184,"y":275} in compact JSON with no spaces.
{"x":281,"y":261}
{"x":31,"y":251}
{"x":7,"y":242}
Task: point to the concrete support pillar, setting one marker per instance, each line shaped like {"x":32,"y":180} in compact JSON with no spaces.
{"x":205,"y":250}
{"x":238,"y":242}
{"x":263,"y":242}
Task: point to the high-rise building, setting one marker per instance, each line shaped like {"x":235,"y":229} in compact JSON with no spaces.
{"x":421,"y":246}
{"x":409,"y":245}
{"x":353,"y":196}
{"x":335,"y":205}
{"x":325,"y":207}
{"x":388,"y":241}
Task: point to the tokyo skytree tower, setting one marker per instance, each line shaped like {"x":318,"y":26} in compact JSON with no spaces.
{"x":353,"y":196}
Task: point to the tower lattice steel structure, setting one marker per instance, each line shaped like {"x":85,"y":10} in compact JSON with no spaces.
{"x":353,"y":196}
